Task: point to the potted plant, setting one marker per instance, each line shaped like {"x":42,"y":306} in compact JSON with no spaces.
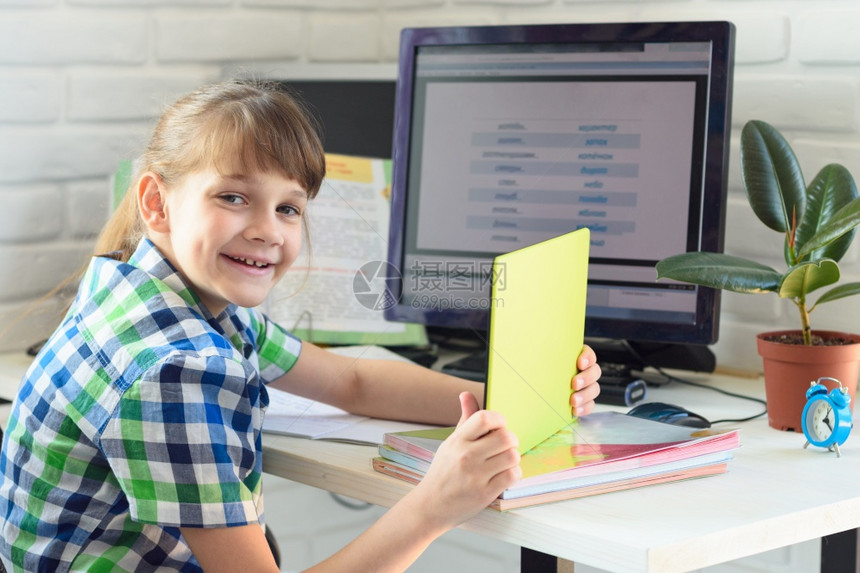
{"x":818,"y":222}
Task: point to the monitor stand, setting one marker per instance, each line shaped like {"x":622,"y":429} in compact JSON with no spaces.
{"x":619,"y":360}
{"x":623,"y":360}
{"x":471,"y":367}
{"x":473,"y":342}
{"x":618,"y":385}
{"x":621,"y":357}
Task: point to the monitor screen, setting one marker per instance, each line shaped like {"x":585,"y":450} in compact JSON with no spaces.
{"x":509,"y":135}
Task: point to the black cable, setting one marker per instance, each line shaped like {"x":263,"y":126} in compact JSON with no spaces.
{"x":679,"y":380}
{"x":348,"y":503}
{"x":673,"y":378}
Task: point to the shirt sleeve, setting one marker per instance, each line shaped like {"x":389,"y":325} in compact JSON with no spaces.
{"x":184,"y":443}
{"x":277,"y":349}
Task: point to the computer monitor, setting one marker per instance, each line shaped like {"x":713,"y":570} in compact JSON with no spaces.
{"x":508,"y":135}
{"x":356,"y":117}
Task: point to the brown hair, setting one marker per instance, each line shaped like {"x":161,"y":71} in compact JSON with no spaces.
{"x":257,"y":123}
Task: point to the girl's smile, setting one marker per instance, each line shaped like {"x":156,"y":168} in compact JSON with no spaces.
{"x":249,"y":262}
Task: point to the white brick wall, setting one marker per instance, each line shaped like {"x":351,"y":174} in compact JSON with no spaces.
{"x":82,"y":80}
{"x":68,"y":38}
{"x":227,"y":35}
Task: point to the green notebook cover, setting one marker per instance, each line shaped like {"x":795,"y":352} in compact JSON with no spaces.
{"x":537,"y":324}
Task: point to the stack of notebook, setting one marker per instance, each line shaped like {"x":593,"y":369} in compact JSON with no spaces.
{"x":537,"y":322}
{"x":599,"y":453}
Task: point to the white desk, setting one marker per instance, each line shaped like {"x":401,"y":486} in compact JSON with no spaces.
{"x":774,"y":494}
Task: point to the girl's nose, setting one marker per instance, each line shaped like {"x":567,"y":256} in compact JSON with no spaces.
{"x":264,"y":227}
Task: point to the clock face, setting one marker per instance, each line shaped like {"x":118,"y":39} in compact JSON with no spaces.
{"x":820,"y":420}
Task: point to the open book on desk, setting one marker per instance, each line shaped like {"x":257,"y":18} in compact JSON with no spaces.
{"x":605,"y":451}
{"x":331,"y":297}
{"x":293,"y":415}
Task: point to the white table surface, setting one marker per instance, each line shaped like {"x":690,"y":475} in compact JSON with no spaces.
{"x":775,"y":493}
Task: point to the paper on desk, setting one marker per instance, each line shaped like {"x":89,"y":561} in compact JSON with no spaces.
{"x":293,"y":415}
{"x":297,"y":416}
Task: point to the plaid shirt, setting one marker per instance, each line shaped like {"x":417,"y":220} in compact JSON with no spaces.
{"x":142,"y":414}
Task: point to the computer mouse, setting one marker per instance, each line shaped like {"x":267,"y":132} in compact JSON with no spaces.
{"x":669,"y":414}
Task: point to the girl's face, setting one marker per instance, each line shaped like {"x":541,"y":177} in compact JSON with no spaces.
{"x":232,"y":236}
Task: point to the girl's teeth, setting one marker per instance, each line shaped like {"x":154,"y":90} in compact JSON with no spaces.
{"x":251,"y":262}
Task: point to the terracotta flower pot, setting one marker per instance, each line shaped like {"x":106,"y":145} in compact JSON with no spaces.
{"x":789,"y":369}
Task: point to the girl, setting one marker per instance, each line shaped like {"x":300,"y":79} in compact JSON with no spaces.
{"x":134,"y":442}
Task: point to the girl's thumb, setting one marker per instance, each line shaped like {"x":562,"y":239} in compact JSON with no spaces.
{"x":468,"y":406}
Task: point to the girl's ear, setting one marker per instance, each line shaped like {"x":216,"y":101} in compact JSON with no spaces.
{"x":150,"y":201}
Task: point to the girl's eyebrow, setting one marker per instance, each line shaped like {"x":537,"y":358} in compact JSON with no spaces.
{"x":249,"y":179}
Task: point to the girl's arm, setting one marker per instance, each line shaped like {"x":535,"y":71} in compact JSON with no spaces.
{"x":404,"y":391}
{"x":469,"y":470}
{"x":227,"y":549}
{"x":387,"y":389}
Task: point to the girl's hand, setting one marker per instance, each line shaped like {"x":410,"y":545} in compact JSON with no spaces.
{"x":471,"y":468}
{"x":584,"y":385}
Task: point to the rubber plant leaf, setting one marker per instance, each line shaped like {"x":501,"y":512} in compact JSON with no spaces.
{"x":772,"y":176}
{"x":717,"y":270}
{"x":830,"y":190}
{"x":806,"y":277}
{"x":843,"y":221}
{"x":842,"y":291}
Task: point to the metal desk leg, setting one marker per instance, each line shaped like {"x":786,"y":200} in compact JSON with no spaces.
{"x":839,"y":552}
{"x":532,"y":561}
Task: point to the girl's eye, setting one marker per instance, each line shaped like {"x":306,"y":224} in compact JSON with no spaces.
{"x":233,"y":199}
{"x":288,"y":210}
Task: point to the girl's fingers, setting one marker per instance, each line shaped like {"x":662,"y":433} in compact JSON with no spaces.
{"x":468,"y":406}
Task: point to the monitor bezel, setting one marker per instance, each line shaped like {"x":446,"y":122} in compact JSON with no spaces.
{"x":721,"y":36}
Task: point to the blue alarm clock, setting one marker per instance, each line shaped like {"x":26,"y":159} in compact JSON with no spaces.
{"x":826,"y":418}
